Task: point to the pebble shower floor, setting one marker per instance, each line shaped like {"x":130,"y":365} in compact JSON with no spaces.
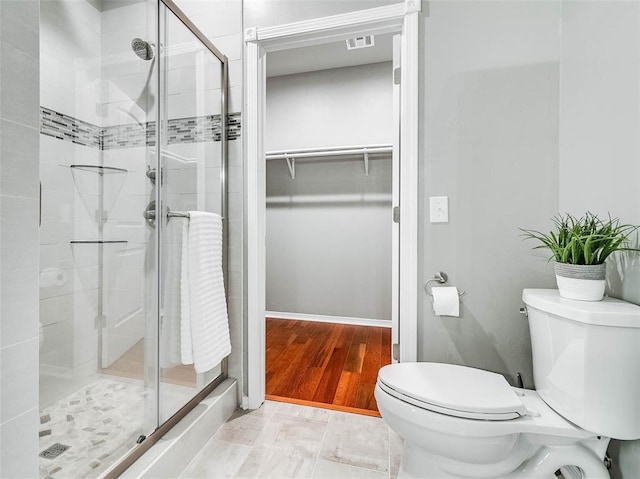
{"x":99,"y":424}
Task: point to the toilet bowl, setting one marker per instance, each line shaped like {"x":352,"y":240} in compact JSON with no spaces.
{"x":462,"y":422}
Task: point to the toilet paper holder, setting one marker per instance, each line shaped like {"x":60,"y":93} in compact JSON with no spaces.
{"x":439,"y":277}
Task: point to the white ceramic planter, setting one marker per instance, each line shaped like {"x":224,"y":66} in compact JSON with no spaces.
{"x":581,"y":282}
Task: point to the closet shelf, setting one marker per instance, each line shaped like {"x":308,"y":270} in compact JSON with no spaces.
{"x":347,"y":152}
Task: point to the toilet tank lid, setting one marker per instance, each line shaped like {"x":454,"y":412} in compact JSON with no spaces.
{"x":454,"y":388}
{"x":608,"y":312}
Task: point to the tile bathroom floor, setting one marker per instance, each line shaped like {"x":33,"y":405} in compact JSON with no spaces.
{"x":282,"y":440}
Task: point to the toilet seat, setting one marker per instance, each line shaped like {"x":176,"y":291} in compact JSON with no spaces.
{"x":453,"y":390}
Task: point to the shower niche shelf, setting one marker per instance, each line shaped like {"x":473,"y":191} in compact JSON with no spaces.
{"x":99,"y":187}
{"x":98,"y":241}
{"x":101,"y":170}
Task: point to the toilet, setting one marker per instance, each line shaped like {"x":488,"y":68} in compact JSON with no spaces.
{"x":462,"y":422}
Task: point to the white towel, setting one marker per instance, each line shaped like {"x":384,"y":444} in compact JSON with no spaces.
{"x":204,"y":328}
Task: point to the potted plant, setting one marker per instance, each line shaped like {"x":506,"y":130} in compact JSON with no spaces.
{"x":580,"y":247}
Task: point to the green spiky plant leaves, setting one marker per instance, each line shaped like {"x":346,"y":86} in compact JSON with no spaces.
{"x":587,"y":240}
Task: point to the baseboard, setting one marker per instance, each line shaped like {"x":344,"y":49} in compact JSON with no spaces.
{"x":177,"y":448}
{"x":322,"y":405}
{"x":381,"y":323}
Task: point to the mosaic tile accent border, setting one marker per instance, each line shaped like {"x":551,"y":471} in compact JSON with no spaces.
{"x":181,"y":130}
{"x":67,"y":128}
{"x":233,"y":126}
{"x":128,"y":136}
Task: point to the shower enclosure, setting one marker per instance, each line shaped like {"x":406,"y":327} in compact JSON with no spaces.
{"x":133,"y":136}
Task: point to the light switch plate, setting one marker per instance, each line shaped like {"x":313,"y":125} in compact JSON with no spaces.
{"x":439,"y":209}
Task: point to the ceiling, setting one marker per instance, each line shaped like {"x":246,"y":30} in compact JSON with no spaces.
{"x":327,"y":56}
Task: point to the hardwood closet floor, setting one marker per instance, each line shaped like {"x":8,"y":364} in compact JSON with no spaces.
{"x":325,"y":364}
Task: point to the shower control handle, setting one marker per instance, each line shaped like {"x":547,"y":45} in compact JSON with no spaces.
{"x":149,"y":214}
{"x":151,"y":174}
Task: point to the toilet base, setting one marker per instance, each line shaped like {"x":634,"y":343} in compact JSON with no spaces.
{"x":418,"y":460}
{"x":419,"y":464}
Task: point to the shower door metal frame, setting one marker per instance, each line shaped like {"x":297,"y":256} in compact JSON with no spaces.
{"x":402,"y":18}
{"x":163,"y":428}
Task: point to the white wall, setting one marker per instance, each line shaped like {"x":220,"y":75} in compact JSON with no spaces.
{"x":329,"y":229}
{"x":600,"y":140}
{"x":341,"y":106}
{"x":19,"y":137}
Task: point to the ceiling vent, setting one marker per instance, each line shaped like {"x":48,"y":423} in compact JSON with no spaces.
{"x":360,"y":42}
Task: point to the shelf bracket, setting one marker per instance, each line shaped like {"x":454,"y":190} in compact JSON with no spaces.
{"x":366,"y":163}
{"x":291,"y":164}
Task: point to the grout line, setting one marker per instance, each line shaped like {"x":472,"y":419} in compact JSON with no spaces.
{"x":324,"y":438}
{"x":241,"y":462}
{"x":251,"y":447}
{"x":264,"y":428}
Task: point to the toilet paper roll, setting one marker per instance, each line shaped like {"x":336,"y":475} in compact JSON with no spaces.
{"x":446,"y":301}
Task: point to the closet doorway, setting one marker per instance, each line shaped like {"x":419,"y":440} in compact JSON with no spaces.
{"x":331,"y":131}
{"x":401,"y":19}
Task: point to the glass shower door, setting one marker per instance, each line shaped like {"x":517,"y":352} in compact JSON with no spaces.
{"x":191,"y":153}
{"x":98,"y":286}
{"x":132,"y":124}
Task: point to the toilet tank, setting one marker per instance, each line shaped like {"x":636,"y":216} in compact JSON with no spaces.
{"x":586,"y":360}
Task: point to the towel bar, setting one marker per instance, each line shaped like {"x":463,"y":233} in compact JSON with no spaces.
{"x":150,"y":214}
{"x":181,"y":214}
{"x":178,"y":214}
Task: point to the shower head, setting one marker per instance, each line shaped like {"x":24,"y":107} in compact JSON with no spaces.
{"x":142,"y":48}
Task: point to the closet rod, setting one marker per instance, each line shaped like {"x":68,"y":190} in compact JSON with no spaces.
{"x":292,"y":155}
{"x":329,"y":151}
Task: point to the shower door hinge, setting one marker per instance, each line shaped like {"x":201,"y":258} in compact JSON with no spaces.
{"x":102,"y":216}
{"x":395,"y":351}
{"x":396,"y":214}
{"x":396,"y":76}
{"x":101,"y":321}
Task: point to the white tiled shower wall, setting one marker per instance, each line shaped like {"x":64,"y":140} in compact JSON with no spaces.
{"x":70,"y":84}
{"x":90,"y":73}
{"x":19,"y":136}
